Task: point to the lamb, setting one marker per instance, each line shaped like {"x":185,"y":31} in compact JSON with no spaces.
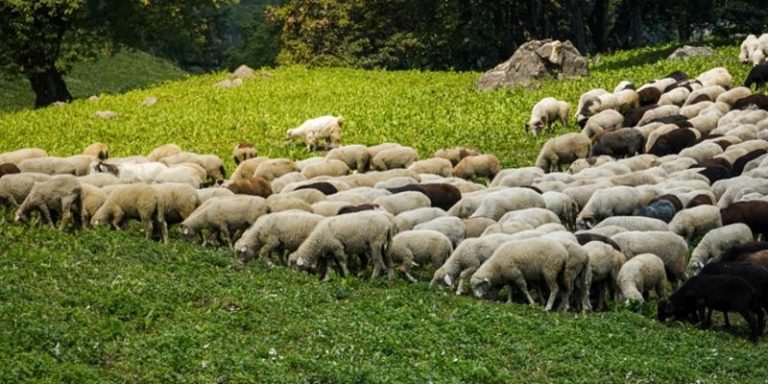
{"x":670,"y":247}
{"x":546,"y":112}
{"x":178,"y":201}
{"x":605,"y":263}
{"x":163,"y":151}
{"x":693,"y":222}
{"x":59,"y":196}
{"x":8,"y":169}
{"x":325,"y":168}
{"x":475,"y":226}
{"x":402,"y":202}
{"x":15,"y":188}
{"x":206,"y":194}
{"x":450,"y":226}
{"x":420,"y":247}
{"x":255,"y":186}
{"x":281,"y":231}
{"x":339,"y":236}
{"x":319,"y":133}
{"x":563,"y":150}
{"x":49,"y":165}
{"x":472,"y":167}
{"x":133,"y":201}
{"x":519,"y":262}
{"x":757,"y":76}
{"x":715,"y":243}
{"x":356,"y":156}
{"x":398,"y":157}
{"x":456,"y":154}
{"x":620,"y":143}
{"x":641,"y":274}
{"x":225,"y":216}
{"x":409,"y":219}
{"x":752,"y":213}
{"x":634,"y":223}
{"x":613,"y":201}
{"x":97,"y":150}
{"x":16,"y":157}
{"x":242,"y":152}
{"x":437,"y":166}
{"x":496,"y":205}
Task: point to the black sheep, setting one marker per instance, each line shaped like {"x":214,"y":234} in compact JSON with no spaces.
{"x":620,"y":143}
{"x":701,"y":199}
{"x":756,"y":276}
{"x":758,"y":75}
{"x":649,"y":95}
{"x":679,"y":76}
{"x":673,"y":142}
{"x":758,"y":100}
{"x":741,"y":252}
{"x":357,"y":208}
{"x":679,"y":120}
{"x":442,"y":195}
{"x":714,"y":173}
{"x":8,"y":169}
{"x":586,"y":237}
{"x":633,"y":116}
{"x":700,"y":99}
{"x":741,"y":162}
{"x":325,"y":187}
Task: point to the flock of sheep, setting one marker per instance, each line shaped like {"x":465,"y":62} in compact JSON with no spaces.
{"x":654,"y":168}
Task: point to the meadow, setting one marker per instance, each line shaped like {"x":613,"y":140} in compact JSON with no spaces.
{"x":104,"y":306}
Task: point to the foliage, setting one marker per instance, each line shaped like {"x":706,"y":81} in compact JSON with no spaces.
{"x":253,"y":41}
{"x":106,"y":306}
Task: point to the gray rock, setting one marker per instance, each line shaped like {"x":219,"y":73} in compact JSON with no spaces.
{"x":534,"y":61}
{"x":243,"y":72}
{"x":690,"y":51}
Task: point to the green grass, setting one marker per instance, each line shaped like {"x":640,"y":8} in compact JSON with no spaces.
{"x":124,"y":71}
{"x":103,"y":306}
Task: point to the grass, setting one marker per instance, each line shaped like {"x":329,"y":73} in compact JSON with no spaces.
{"x":104,"y":306}
{"x":122,"y":72}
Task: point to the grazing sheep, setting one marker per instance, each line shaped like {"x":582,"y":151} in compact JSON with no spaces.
{"x":224,"y":216}
{"x":456,"y":154}
{"x":702,"y":151}
{"x":357,"y":208}
{"x":641,"y":274}
{"x":242,"y":152}
{"x":206,"y":194}
{"x":337,"y":237}
{"x":732,"y":95}
{"x":534,"y":217}
{"x":48,"y":165}
{"x":163,"y":151}
{"x":496,"y":205}
{"x":409,"y":219}
{"x":441,"y":195}
{"x":322,"y":132}
{"x":248,"y":167}
{"x":323,"y":187}
{"x":8,"y":169}
{"x":716,"y":76}
{"x":475,"y":226}
{"x":419,"y":247}
{"x":16,"y":157}
{"x":677,"y":97}
{"x":133,"y":201}
{"x":270,"y":169}
{"x":619,"y":144}
{"x":517,"y":177}
{"x":605,"y":263}
{"x":14,"y":188}
{"x":661,"y":209}
{"x":450,"y":226}
{"x":634,"y":223}
{"x":748,"y":46}
{"x":91,"y":199}
{"x":614,"y":201}
{"x":563,"y":150}
{"x":58,"y":197}
{"x":97,"y":150}
{"x":546,"y":112}
{"x":281,"y":231}
{"x":436,"y":166}
{"x":472,"y":167}
{"x":693,"y":222}
{"x":325,"y":168}
{"x":605,"y":121}
{"x":649,"y":95}
{"x":398,"y":157}
{"x":624,"y":85}
{"x":213,"y":165}
{"x":670,"y":247}
{"x":178,"y":201}
{"x":328,"y":208}
{"x":465,"y":260}
{"x":283,"y":181}
{"x":674,"y":141}
{"x":519,"y":262}
{"x":356,"y":156}
{"x":757,"y":76}
{"x":563,"y":206}
{"x":282,"y":202}
{"x":255,"y":186}
{"x":402,"y":202}
{"x":709,"y":93}
{"x":715,"y":243}
{"x":581,"y":112}
{"x":510,"y":228}
{"x":752,"y":213}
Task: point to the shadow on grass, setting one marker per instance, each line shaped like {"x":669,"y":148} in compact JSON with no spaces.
{"x":639,"y":58}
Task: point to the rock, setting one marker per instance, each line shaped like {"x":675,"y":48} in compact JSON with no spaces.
{"x":534,"y":61}
{"x":227,"y":83}
{"x":149,"y":101}
{"x":93,"y":99}
{"x":58,"y":104}
{"x":689,"y":51}
{"x":243,"y":72}
{"x":106,"y":115}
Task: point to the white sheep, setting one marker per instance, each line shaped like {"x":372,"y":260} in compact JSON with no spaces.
{"x":563,"y":206}
{"x":178,"y":201}
{"x":563,"y":150}
{"x":605,"y":121}
{"x":546,"y":112}
{"x":281,"y":231}
{"x":337,"y":237}
{"x":510,"y":228}
{"x":409,"y":219}
{"x":320,"y":132}
{"x":711,"y":92}
{"x":271,"y":169}
{"x":640,"y":275}
{"x":734,"y":94}
{"x":17,"y":156}
{"x":517,"y":177}
{"x":472,"y":167}
{"x":419,"y":247}
{"x":496,"y":205}
{"x":702,"y":151}
{"x":281,"y":202}
{"x":325,"y":168}
{"x":133,"y":201}
{"x":586,"y":96}
{"x":613,"y":201}
{"x":15,"y":188}
{"x":465,"y":260}
{"x":696,"y":221}
{"x":454,"y":155}
{"x":224,"y":216}
{"x":213,"y":165}
{"x":165,"y":150}
{"x":748,"y":46}
{"x":435,"y":165}
{"x":402,"y":202}
{"x":716,"y":76}
{"x":715,"y":243}
{"x":356,"y":156}
{"x":206,"y":194}
{"x":398,"y":157}
{"x":605,"y":263}
{"x":534,"y":217}
{"x":670,"y":247}
{"x":677,"y":97}
{"x":99,"y":179}
{"x":91,"y":199}
{"x":634,"y":223}
{"x":476,"y":226}
{"x":281,"y":182}
{"x":50,"y":165}
{"x":60,"y":195}
{"x":242,"y":152}
{"x":450,"y":226}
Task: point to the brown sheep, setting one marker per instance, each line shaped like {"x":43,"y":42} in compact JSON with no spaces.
{"x":8,"y":169}
{"x":477,"y":166}
{"x":752,"y":213}
{"x":242,"y":152}
{"x":255,"y":186}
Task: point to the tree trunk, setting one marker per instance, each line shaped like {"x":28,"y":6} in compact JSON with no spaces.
{"x":599,"y":24}
{"x":535,"y":13}
{"x":635,"y":23}
{"x":577,"y":25}
{"x":49,"y":87}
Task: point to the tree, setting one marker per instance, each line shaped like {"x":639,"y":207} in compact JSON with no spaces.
{"x":40,"y":39}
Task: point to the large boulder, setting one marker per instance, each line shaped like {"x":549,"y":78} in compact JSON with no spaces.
{"x":690,"y":51}
{"x":534,"y":61}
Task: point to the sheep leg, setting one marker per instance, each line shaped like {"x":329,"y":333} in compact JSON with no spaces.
{"x":224,"y":231}
{"x":148,"y":228}
{"x":519,"y":280}
{"x":405,"y":268}
{"x":464,"y":276}
{"x":46,"y":214}
{"x":754,"y":331}
{"x":566,"y":295}
{"x":378,"y":264}
{"x":554,"y":288}
{"x":600,"y":296}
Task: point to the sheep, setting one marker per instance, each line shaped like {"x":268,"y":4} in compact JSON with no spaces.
{"x":702,"y":152}
{"x":563,"y":150}
{"x":576,"y":275}
{"x":450,"y":226}
{"x":163,"y":151}
{"x":715,"y":243}
{"x":206,"y":194}
{"x":281,"y":231}
{"x":677,"y":97}
{"x":212,"y":164}
{"x":649,"y":95}
{"x":242,"y":152}
{"x":323,"y":187}
{"x":97,"y":150}
{"x":14,"y":188}
{"x":271,"y":169}
{"x":521,"y":261}
{"x":606,"y":231}
{"x":670,"y":247}
{"x":16,"y":157}
{"x":402,"y":202}
{"x":396,"y":182}
{"x":465,"y":260}
{"x":49,"y":165}
{"x":326,"y":168}
{"x":475,"y":226}
{"x":441,"y":195}
{"x":582,"y":193}
{"x":322,"y":132}
{"x":757,"y":76}
{"x":281,"y":202}
{"x":751,"y":213}
{"x":409,"y":219}
{"x":605,"y":121}
{"x":634,"y":223}
{"x":398,"y":157}
{"x":357,"y":208}
{"x":456,"y":154}
{"x":732,"y":95}
{"x":563,"y":206}
{"x":516,"y":177}
{"x":281,"y":182}
{"x":624,"y":85}
{"x":534,"y":217}
{"x":641,"y":274}
{"x":133,"y":201}
{"x":692,"y":222}
{"x":224,"y":216}
{"x":510,"y":228}
{"x":356,"y":156}
{"x":747,"y":47}
{"x":546,"y":112}
{"x":587,"y":96}
{"x":716,"y":76}
{"x":497,"y":204}
{"x":674,"y":141}
{"x":340,"y":236}
{"x":707,"y":93}
{"x":604,"y":263}
{"x":419,"y":247}
{"x":612,"y":201}
{"x":60,"y":196}
{"x":435,"y":165}
{"x":91,"y":199}
{"x":255,"y":186}
{"x":663,"y":210}
{"x":8,"y":169}
{"x":620,"y":143}
{"x":248,"y":167}
{"x":472,"y":167}
{"x":178,"y":201}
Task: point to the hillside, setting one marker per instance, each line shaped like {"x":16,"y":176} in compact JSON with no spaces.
{"x":122,"y":72}
{"x":107,"y":306}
